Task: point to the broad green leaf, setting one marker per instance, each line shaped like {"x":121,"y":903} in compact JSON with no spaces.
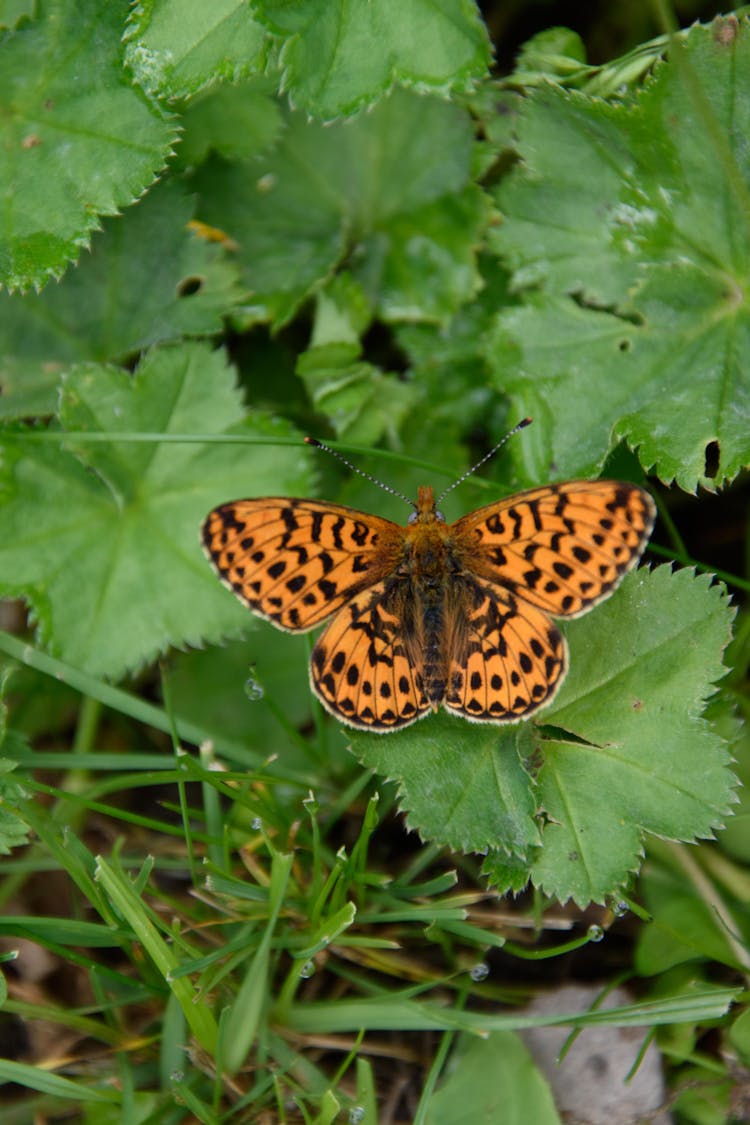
{"x":147,"y":280}
{"x":79,"y":142}
{"x":386,"y":195}
{"x":641,"y":758}
{"x":507,"y":874}
{"x":361,"y":401}
{"x":11,"y":11}
{"x":633,"y":223}
{"x":252,"y":691}
{"x":461,"y":785}
{"x":492,"y":1079}
{"x":340,"y":56}
{"x":29,"y":390}
{"x":176,"y":47}
{"x":103,"y":540}
{"x":638,"y":756}
{"x":421,"y":266}
{"x":683,"y":927}
{"x":449,"y":366}
{"x":236,"y":122}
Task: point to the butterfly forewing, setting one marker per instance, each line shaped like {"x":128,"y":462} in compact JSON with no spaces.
{"x":562,"y":548}
{"x":295,"y":562}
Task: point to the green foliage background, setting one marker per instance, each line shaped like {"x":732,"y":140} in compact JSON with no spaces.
{"x":224,"y":226}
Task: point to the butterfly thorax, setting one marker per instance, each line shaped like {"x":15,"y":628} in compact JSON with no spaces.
{"x":427,"y":543}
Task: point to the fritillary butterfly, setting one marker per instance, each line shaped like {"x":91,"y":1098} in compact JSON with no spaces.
{"x":431,"y":614}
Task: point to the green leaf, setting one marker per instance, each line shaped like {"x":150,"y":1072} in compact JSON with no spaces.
{"x":422,"y":265}
{"x":556,"y":51}
{"x":467,"y":789}
{"x":79,"y":142}
{"x":640,"y":759}
{"x":507,"y":874}
{"x":361,"y":401}
{"x":63,"y":931}
{"x":386,"y":195}
{"x":684,"y":927}
{"x":449,"y":365}
{"x":147,"y":280}
{"x":13,"y":831}
{"x":103,"y":540}
{"x":237,"y":122}
{"x":28,"y":389}
{"x":207,"y":689}
{"x":12,"y":11}
{"x":176,"y":47}
{"x":739,"y":1035}
{"x":402,"y":1012}
{"x":622,"y":750}
{"x":632,"y":221}
{"x":126,"y":900}
{"x":34,"y":1078}
{"x":339,"y":57}
{"x":492,"y":1079}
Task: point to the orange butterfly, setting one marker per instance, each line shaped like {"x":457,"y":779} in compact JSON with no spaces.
{"x":432,"y":614}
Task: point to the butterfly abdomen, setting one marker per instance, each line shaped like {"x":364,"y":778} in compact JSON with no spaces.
{"x":431,"y":568}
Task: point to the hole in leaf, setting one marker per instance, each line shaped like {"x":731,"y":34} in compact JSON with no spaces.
{"x":713,"y":453}
{"x":189,"y":285}
{"x":625,"y":345}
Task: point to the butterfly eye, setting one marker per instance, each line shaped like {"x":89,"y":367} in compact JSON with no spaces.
{"x":413,"y":517}
{"x":439,"y":516}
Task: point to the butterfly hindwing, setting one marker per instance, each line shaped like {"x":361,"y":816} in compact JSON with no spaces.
{"x":295,"y":562}
{"x":507,"y":658}
{"x":364,"y":669}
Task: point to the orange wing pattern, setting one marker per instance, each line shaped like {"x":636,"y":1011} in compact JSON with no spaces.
{"x":295,"y":562}
{"x":361,"y":668}
{"x":562,"y":548}
{"x":428,"y":614}
{"x":507,"y":661}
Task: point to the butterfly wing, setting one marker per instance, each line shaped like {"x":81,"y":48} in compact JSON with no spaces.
{"x":562,"y":548}
{"x":366,"y":668}
{"x":295,"y":562}
{"x":507,"y":658}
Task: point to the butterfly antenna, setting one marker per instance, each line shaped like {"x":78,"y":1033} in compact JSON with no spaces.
{"x":360,"y":472}
{"x":521,"y":426}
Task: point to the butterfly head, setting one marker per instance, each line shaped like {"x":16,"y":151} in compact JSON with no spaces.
{"x":424,"y":509}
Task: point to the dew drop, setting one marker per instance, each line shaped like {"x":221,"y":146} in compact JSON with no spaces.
{"x":356,"y":1114}
{"x":620,"y":909}
{"x":595,"y":933}
{"x":177,"y":1076}
{"x":480,"y":971}
{"x":256,"y":824}
{"x":253,"y":689}
{"x":307,"y":970}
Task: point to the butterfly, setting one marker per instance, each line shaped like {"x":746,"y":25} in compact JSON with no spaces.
{"x":432,"y":614}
